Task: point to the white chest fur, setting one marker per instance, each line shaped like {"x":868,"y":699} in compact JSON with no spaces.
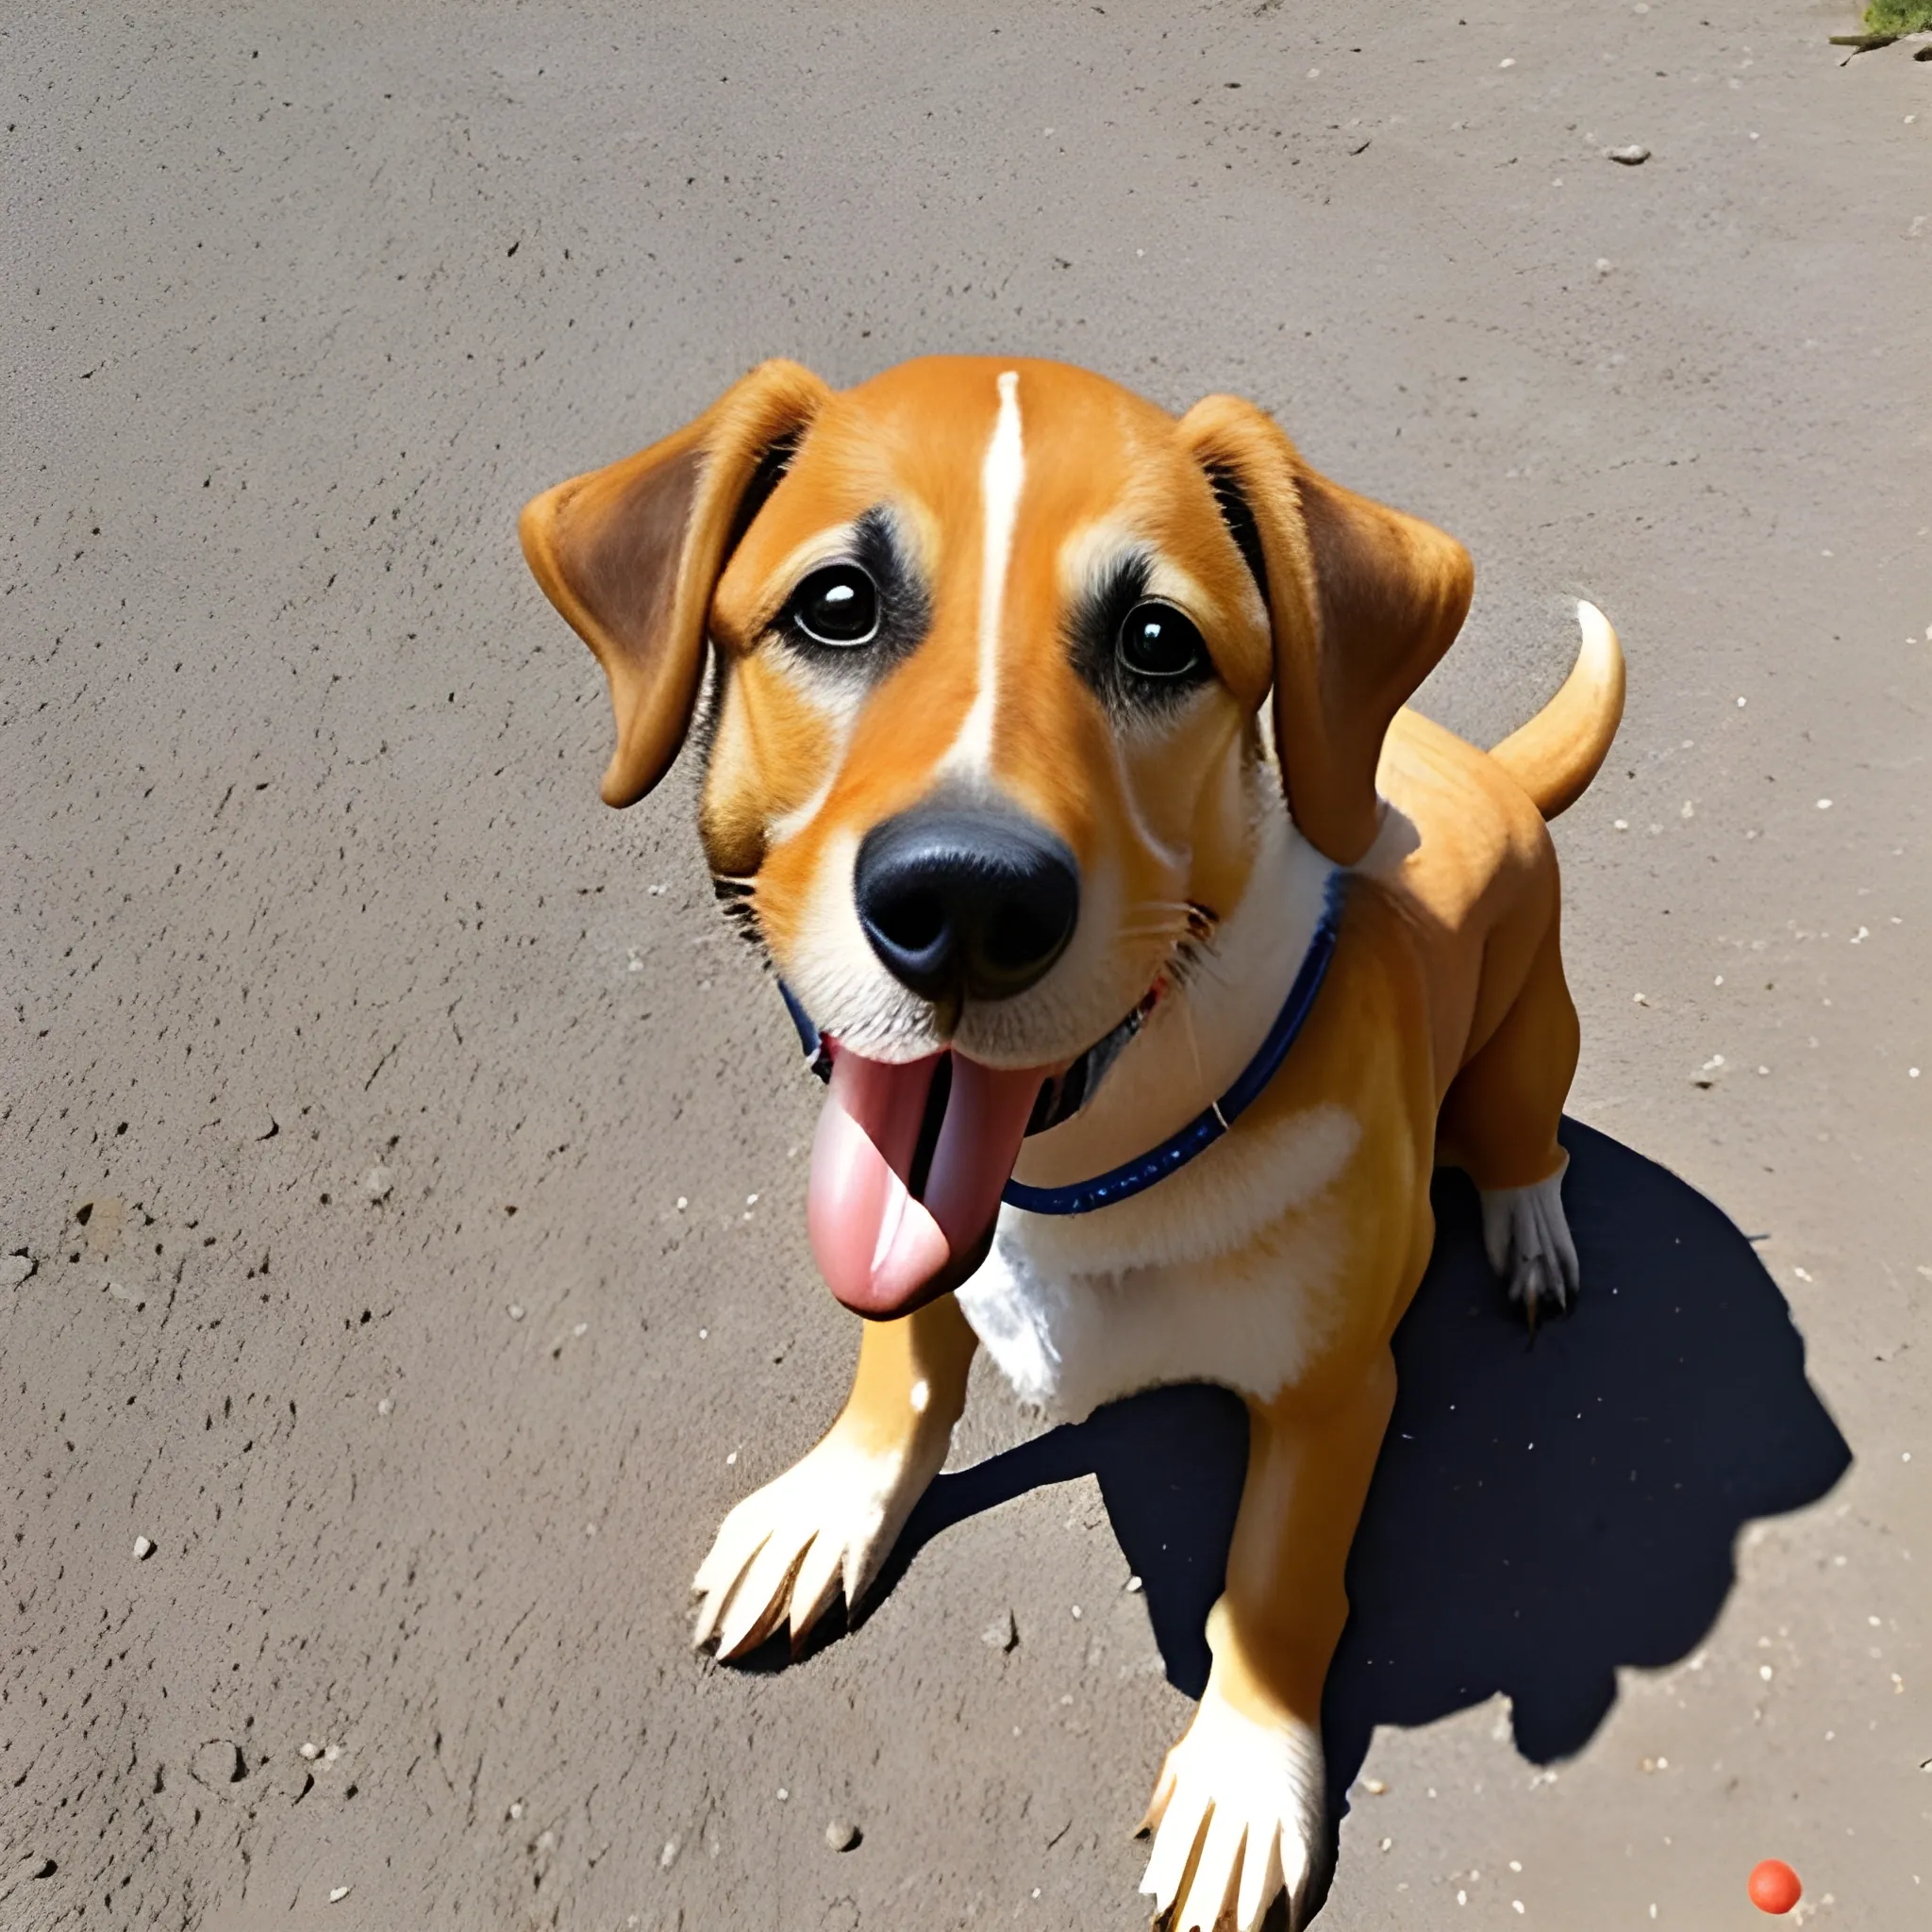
{"x":1228,"y":1270}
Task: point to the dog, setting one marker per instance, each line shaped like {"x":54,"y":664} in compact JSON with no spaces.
{"x":1057,"y":752}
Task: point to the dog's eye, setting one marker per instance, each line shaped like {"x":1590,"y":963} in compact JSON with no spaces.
{"x":838,"y":605}
{"x":1158,"y":641}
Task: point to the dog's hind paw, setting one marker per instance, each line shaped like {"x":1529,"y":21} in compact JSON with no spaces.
{"x":1238,"y":1816}
{"x":1527,"y":1239}
{"x":783,"y":1554}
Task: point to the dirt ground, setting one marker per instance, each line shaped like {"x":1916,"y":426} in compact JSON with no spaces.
{"x":400,"y":1170}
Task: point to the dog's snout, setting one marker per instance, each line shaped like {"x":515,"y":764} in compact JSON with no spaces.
{"x":977,"y":903}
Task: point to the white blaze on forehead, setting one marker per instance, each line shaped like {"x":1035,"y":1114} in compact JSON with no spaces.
{"x":1000,"y":478}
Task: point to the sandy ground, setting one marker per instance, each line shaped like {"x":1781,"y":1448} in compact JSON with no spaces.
{"x":304,"y":878}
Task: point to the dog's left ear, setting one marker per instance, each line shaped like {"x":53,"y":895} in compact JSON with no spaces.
{"x":1362,"y":601}
{"x":631,"y":555}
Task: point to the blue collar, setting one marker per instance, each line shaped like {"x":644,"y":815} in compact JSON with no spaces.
{"x":1135,"y":1176}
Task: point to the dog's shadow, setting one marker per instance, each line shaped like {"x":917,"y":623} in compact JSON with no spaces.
{"x":1544,"y":1510}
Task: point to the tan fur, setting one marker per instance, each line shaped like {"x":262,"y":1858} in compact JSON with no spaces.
{"x":1559,"y":752}
{"x":1444,"y":1029}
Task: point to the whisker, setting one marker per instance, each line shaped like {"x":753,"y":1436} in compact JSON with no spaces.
{"x":1193,"y":1039}
{"x":1204,"y":962}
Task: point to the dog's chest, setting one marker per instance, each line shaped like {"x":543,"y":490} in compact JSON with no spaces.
{"x":1230,"y":1271}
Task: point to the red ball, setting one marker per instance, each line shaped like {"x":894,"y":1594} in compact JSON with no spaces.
{"x":1775,"y":1886}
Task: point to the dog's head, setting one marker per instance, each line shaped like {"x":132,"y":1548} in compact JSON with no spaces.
{"x":992,"y":641}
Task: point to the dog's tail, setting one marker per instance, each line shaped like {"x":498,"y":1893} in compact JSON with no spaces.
{"x":1556,"y":753}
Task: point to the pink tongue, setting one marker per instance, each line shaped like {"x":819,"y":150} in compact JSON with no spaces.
{"x":877,"y":1246}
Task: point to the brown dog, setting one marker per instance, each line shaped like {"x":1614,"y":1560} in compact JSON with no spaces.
{"x":989,"y":776}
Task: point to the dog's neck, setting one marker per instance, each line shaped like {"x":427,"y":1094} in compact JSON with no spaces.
{"x":1200,"y":1037}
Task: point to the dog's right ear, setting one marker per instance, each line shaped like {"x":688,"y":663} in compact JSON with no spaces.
{"x":631,"y":555}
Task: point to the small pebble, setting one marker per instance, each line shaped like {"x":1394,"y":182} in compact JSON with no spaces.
{"x":14,"y":1269}
{"x":1632,"y":156}
{"x":842,"y":1835}
{"x":516,"y":1808}
{"x":1003,"y":1633}
{"x":377,"y":1182}
{"x":310,"y":1751}
{"x":143,"y":1549}
{"x":384,"y":1406}
{"x":1373,"y":1786}
{"x":330,"y":1753}
{"x":338,"y":1894}
{"x":668,"y":1857}
{"x":516,"y":1312}
{"x":1134,"y":1586}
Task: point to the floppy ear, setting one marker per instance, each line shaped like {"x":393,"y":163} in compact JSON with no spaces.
{"x":1362,"y":602}
{"x":631,"y":555}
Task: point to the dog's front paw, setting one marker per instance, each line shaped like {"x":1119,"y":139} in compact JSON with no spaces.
{"x":1238,"y":1816}
{"x":782,"y":1554}
{"x":1527,"y":1235}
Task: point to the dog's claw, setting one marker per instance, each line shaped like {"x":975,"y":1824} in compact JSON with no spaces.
{"x":762,"y":1593}
{"x":815,"y":1586}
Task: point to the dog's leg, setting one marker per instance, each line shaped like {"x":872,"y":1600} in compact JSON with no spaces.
{"x":1241,"y":1811}
{"x":1499,"y":1123}
{"x":783,"y":1553}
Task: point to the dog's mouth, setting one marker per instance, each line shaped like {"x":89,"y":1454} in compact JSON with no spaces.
{"x":910,"y":1160}
{"x":907,"y":1167}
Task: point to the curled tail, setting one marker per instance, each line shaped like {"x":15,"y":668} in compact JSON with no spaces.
{"x":1556,"y":753}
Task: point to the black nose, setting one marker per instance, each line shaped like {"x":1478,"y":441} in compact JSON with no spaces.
{"x":965,"y":902}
